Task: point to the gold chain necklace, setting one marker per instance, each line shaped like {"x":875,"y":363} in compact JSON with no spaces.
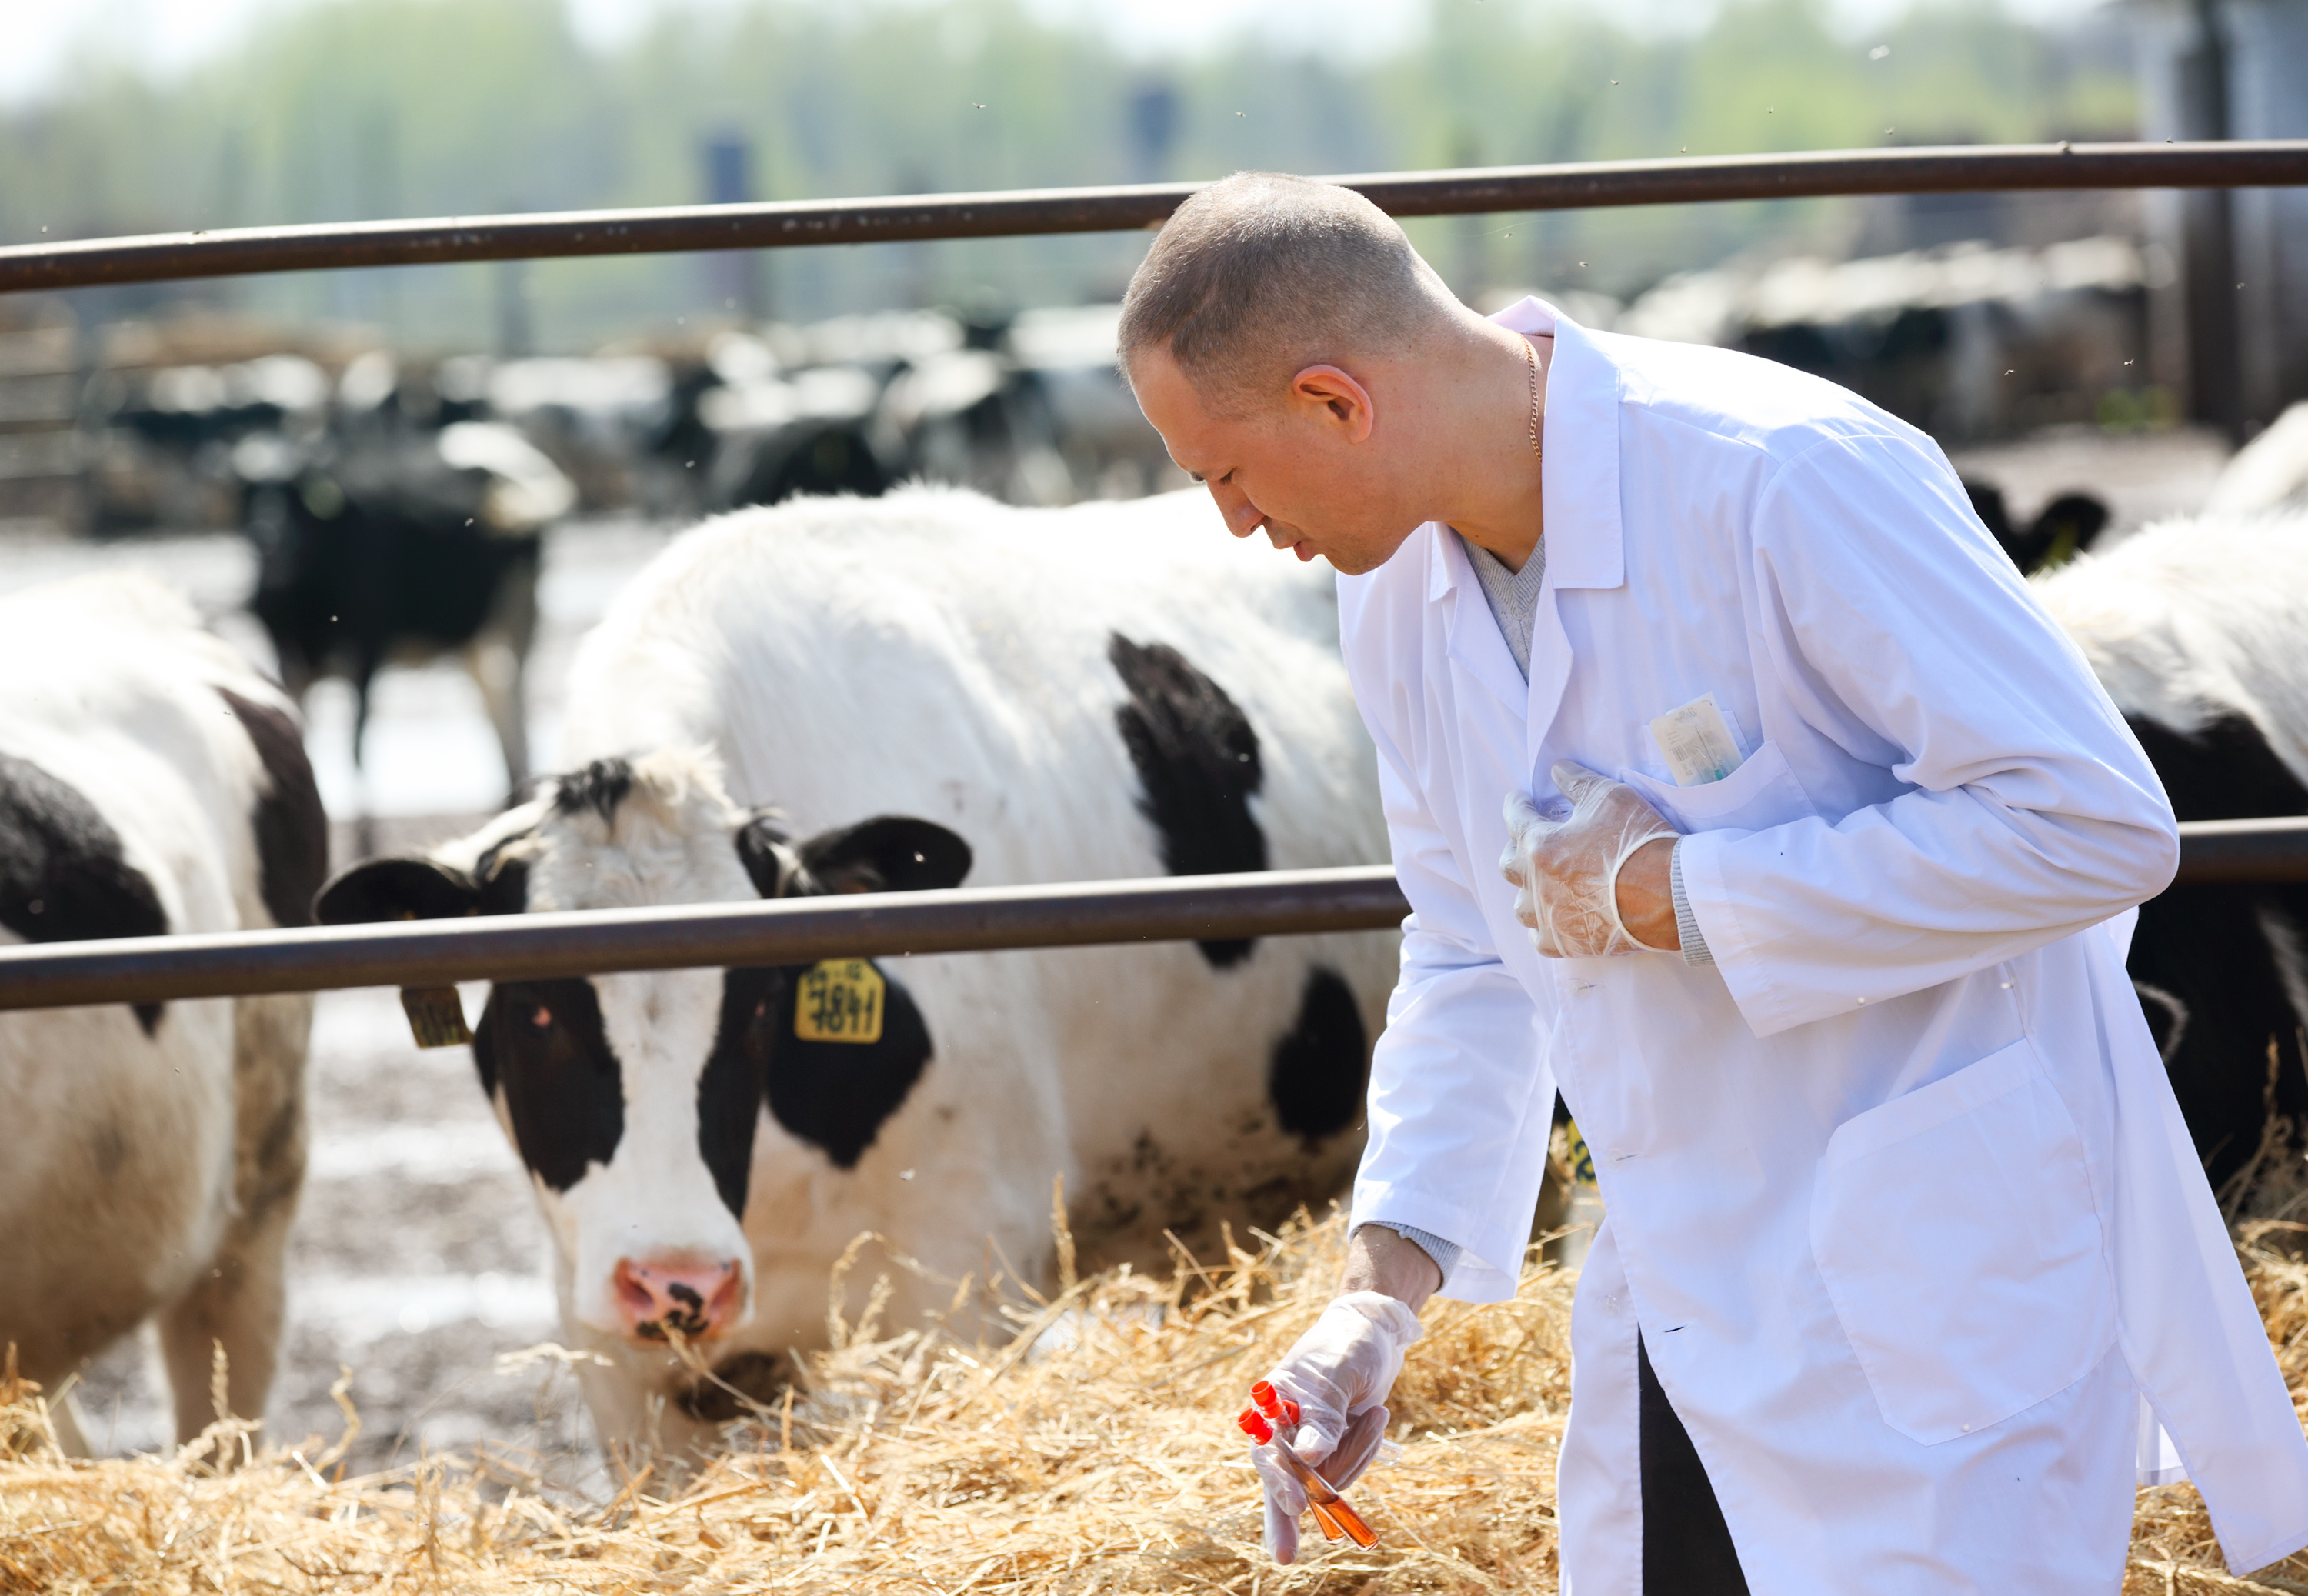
{"x":1531,"y":355}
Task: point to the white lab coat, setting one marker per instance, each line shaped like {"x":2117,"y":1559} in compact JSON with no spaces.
{"x":1897,"y":1189}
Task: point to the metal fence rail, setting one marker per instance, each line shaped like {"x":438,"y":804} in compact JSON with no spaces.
{"x":801,"y":931}
{"x":239,"y":251}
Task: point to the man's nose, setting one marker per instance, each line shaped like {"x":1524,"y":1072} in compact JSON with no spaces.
{"x":1241,"y":516}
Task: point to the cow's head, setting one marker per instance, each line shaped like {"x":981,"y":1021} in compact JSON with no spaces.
{"x":632,"y":1098}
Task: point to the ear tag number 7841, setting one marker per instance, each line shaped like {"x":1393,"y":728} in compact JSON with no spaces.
{"x":840,"y":1001}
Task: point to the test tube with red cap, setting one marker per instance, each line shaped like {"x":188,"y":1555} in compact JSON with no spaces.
{"x":1331,"y":1511}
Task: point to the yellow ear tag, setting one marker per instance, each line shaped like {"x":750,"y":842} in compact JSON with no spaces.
{"x":436,"y":1015}
{"x":839,"y":1001}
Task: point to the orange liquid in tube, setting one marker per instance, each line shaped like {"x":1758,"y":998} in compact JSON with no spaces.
{"x":1331,"y":1511}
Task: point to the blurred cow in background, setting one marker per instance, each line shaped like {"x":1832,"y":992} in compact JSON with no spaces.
{"x":1965,"y":340}
{"x":390,"y":538}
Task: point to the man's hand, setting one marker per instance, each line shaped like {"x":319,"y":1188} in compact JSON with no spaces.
{"x":1593,"y":883}
{"x":1338,"y":1373}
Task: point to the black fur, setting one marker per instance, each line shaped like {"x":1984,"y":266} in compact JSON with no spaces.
{"x":600,"y":786}
{"x":1197,"y":761}
{"x":292,"y":828}
{"x":541,"y":1044}
{"x":411,"y":887}
{"x":396,"y":889}
{"x":887,"y":853}
{"x":2213,"y":991}
{"x":1320,"y":1065}
{"x":730,"y":1088}
{"x":64,"y":876}
{"x":2065,"y":527}
{"x":834,"y":1096}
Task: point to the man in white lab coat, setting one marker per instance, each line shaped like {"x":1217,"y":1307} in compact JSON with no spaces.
{"x":1738,"y":788}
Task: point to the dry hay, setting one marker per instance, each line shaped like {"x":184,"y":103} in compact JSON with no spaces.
{"x":1094,"y":1452}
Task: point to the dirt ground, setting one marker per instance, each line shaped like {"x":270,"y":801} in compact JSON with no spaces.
{"x":419,"y":1258}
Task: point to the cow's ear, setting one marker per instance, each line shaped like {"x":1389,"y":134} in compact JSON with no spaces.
{"x":2068,"y":525}
{"x":396,"y":889}
{"x":887,"y":853}
{"x":770,"y":858}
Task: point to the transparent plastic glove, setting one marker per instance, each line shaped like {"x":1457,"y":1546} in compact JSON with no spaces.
{"x":1567,"y":868}
{"x":1285,"y":1499}
{"x":1338,"y":1373}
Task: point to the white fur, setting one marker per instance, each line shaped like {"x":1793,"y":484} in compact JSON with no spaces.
{"x":938,"y":655}
{"x":129,"y":1155}
{"x":2190,"y":620}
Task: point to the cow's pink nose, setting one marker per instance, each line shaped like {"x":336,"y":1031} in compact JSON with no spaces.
{"x":699,"y":1300}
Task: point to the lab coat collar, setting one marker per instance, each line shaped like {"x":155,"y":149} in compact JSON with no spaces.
{"x":1579,"y":483}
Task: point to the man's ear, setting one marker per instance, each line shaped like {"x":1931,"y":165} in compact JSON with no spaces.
{"x":396,"y":889}
{"x":887,"y":853}
{"x":1347,"y":400}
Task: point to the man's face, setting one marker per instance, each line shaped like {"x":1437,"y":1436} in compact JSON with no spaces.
{"x":1306,"y":468}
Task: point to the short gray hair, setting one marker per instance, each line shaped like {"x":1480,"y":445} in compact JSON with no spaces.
{"x":1262,"y":274}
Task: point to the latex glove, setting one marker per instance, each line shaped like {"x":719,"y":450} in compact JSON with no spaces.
{"x":1568,"y":869}
{"x":1338,"y":1373}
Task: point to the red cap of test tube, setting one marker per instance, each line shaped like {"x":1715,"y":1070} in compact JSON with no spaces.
{"x":1256,"y":1427}
{"x":1280,"y":1409}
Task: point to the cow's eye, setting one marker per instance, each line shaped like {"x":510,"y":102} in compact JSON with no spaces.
{"x":540,"y":1018}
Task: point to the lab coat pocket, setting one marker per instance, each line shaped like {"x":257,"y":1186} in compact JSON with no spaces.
{"x":1957,"y":1234}
{"x":1762,"y":792}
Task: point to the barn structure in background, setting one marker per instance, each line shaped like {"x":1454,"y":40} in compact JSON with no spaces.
{"x":2230,"y":305}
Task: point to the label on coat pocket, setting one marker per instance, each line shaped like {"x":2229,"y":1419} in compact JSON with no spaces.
{"x":1957,"y":1234}
{"x":1697,"y":741}
{"x":1762,"y":793}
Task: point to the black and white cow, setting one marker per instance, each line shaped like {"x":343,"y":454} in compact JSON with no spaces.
{"x":151,"y":782}
{"x":2196,"y":629}
{"x":391,"y":543}
{"x":1052,"y":695}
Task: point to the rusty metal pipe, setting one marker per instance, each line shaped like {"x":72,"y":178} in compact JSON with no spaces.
{"x":787,"y":931}
{"x":436,"y":241}
{"x":801,"y":931}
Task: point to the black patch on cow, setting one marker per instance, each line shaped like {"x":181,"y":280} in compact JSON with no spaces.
{"x":729,"y":1088}
{"x":2212,"y":987}
{"x":1317,"y":1077}
{"x":834,"y":1096}
{"x":1197,"y":762}
{"x":541,"y":1044}
{"x":64,"y":876}
{"x":292,"y":828}
{"x":600,"y":786}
